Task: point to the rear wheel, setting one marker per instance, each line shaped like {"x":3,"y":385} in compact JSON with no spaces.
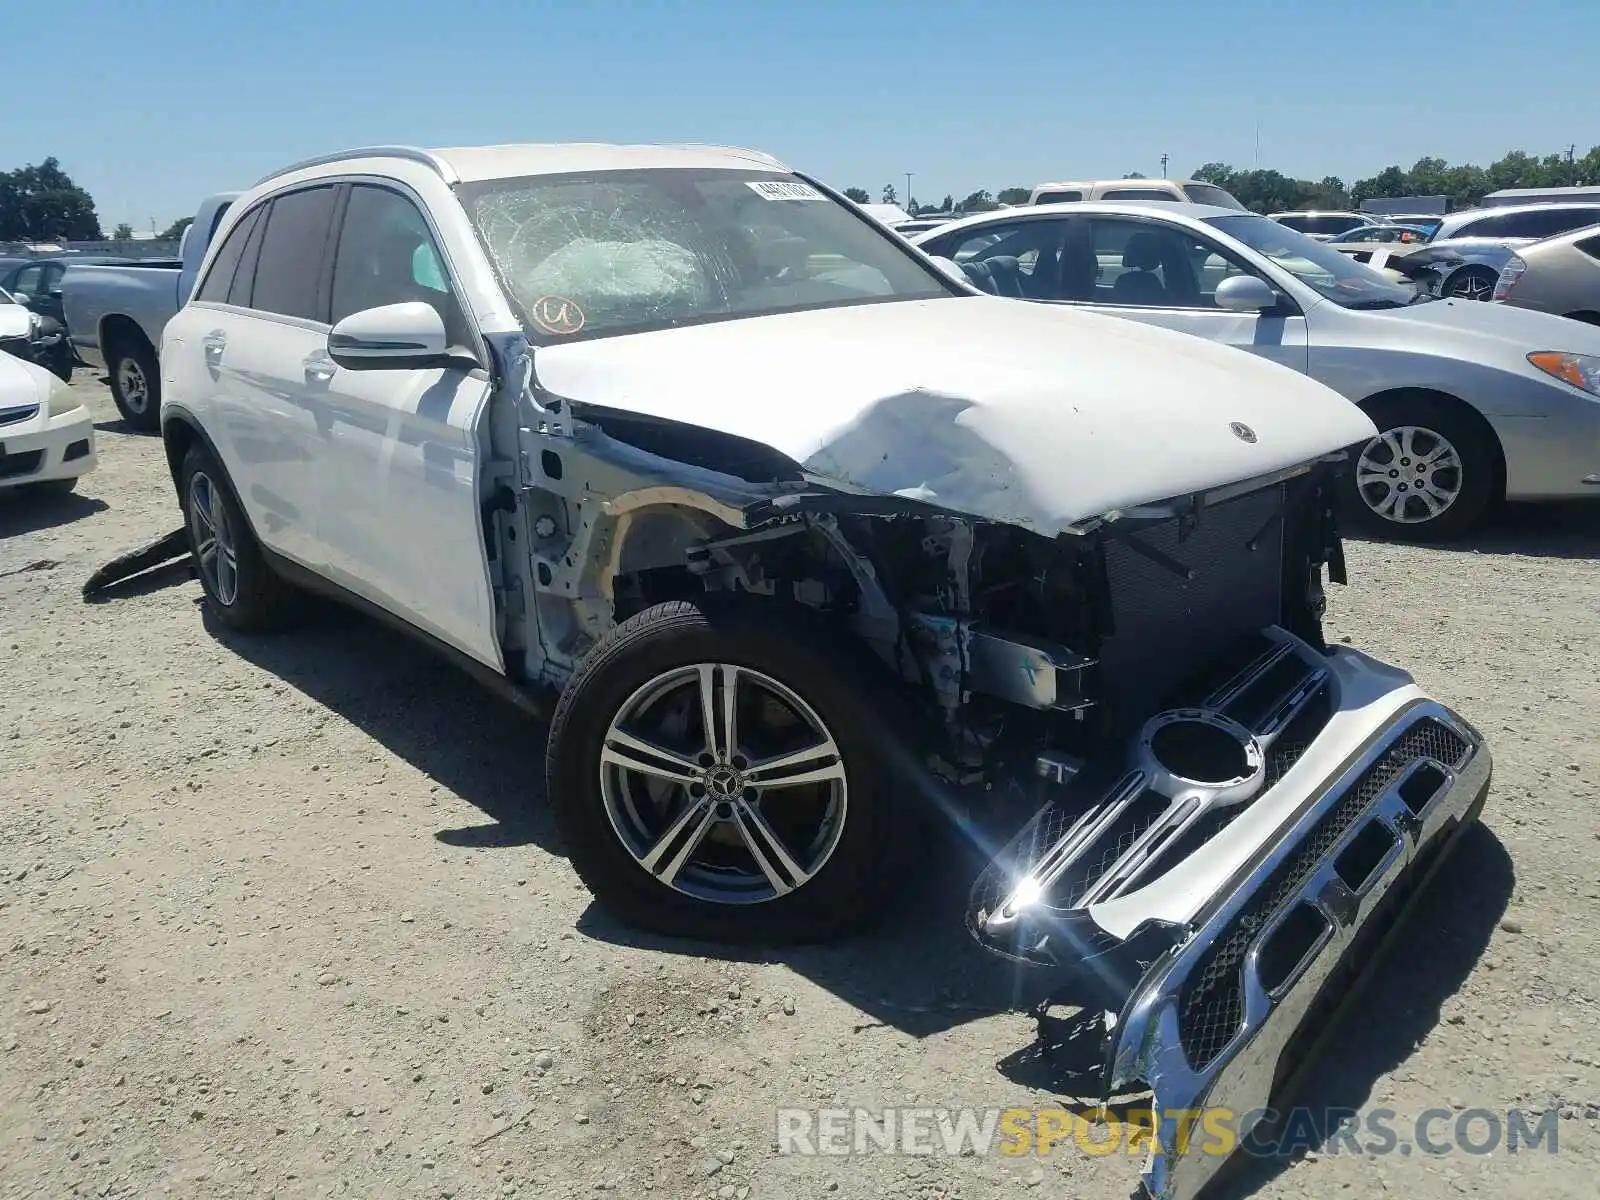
{"x":241,"y":590}
{"x":1428,"y":475}
{"x":135,"y":383}
{"x":718,"y":774}
{"x":1472,"y":283}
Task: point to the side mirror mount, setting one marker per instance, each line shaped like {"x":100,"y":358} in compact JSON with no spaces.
{"x":1245,"y":293}
{"x":389,"y":337}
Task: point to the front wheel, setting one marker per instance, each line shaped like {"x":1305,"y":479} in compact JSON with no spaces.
{"x":136,"y":384}
{"x":716,"y":773}
{"x":1428,"y":475}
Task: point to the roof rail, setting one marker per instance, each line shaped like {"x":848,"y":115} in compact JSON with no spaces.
{"x":410,"y":153}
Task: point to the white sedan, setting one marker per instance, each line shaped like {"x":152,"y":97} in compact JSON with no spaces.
{"x":1473,"y":402}
{"x":46,"y":432}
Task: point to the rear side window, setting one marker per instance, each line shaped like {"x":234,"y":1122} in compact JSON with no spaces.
{"x":289,"y":267}
{"x":1553,"y":221}
{"x":1058,"y":197}
{"x":1210,"y":193}
{"x":219,"y":278}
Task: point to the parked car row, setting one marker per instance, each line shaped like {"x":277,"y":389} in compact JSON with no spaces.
{"x":1473,"y":403}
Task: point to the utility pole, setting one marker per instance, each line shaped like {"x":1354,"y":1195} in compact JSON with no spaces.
{"x":909,"y":209}
{"x":1164,"y":166}
{"x":1572,"y":163}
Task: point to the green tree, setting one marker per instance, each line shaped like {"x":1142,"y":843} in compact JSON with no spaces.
{"x":979,"y":201}
{"x":1220,"y":174}
{"x":122,"y":233}
{"x":1013,"y":195}
{"x":948,"y":204}
{"x":859,"y":195}
{"x":41,"y":203}
{"x":1135,"y":175}
{"x":889,"y":193}
{"x":175,"y":230}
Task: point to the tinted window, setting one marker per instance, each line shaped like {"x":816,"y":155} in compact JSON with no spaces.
{"x":219,"y":278}
{"x":244,"y":278}
{"x":1590,"y":246}
{"x":387,"y":255}
{"x":1210,"y":193}
{"x":1154,"y":265}
{"x":1552,"y":221}
{"x":27,"y":280}
{"x":1021,"y":260}
{"x":289,"y":267}
{"x":1137,"y":194}
{"x":1058,"y":197}
{"x":1321,"y":224}
{"x":1499,"y":226}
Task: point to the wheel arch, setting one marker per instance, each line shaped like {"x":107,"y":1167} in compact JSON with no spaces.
{"x":180,"y":432}
{"x":1467,"y":411}
{"x":118,"y":329}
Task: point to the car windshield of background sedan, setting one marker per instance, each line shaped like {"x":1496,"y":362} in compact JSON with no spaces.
{"x":1329,"y":272}
{"x":612,"y":252}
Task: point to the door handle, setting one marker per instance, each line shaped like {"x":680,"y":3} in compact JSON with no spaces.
{"x":214,"y":344}
{"x":319,"y":368}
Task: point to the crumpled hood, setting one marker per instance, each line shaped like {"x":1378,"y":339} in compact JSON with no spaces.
{"x":1024,"y":413}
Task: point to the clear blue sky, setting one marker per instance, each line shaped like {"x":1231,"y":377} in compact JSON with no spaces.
{"x":150,"y":106}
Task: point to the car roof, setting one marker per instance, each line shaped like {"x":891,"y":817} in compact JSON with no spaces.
{"x":507,"y":161}
{"x":1139,"y":208}
{"x":1518,"y":209}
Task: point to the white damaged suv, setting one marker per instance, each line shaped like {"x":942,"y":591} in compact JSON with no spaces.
{"x":795,"y":532}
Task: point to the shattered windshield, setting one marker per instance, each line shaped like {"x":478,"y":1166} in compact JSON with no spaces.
{"x":609,"y":252}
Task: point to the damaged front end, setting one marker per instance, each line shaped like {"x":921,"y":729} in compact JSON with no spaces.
{"x":1213,"y":874}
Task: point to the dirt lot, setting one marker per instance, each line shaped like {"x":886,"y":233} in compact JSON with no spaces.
{"x":286,"y":917}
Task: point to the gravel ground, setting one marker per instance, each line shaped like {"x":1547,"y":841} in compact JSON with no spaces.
{"x":286,"y":917}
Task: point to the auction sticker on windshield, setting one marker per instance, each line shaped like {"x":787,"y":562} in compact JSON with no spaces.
{"x":558,"y":315}
{"x":783,"y":189}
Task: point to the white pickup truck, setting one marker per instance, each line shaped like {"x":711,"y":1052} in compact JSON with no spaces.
{"x":115,"y":313}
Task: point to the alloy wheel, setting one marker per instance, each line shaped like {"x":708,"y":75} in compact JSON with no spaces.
{"x":214,"y":546}
{"x":723,"y":784}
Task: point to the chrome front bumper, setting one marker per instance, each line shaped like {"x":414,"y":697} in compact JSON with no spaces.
{"x":1256,"y":926}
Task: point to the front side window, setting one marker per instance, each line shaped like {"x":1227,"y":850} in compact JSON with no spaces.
{"x":1320,"y":267}
{"x":27,"y":281}
{"x":289,"y":267}
{"x":1496,"y":226}
{"x":1148,"y":264}
{"x":387,"y":255}
{"x":611,"y":252}
{"x":219,"y":279}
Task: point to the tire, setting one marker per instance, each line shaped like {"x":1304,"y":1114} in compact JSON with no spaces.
{"x":250,"y":598}
{"x":1392,"y":504}
{"x":135,"y":383}
{"x":1471,"y":283}
{"x":721,"y":893}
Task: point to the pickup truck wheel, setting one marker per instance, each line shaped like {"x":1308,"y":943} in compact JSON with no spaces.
{"x":716,"y":773}
{"x":241,"y":590}
{"x":1428,"y":475}
{"x":136,"y":384}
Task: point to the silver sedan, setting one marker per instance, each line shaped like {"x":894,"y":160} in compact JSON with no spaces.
{"x":1473,"y":402}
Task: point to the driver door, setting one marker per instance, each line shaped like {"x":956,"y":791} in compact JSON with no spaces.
{"x":398,"y":513}
{"x":1165,"y":274}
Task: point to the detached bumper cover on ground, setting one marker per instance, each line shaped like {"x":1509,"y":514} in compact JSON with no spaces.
{"x":1265,"y":889}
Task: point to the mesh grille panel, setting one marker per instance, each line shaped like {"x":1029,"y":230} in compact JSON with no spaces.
{"x":1211,"y":1002}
